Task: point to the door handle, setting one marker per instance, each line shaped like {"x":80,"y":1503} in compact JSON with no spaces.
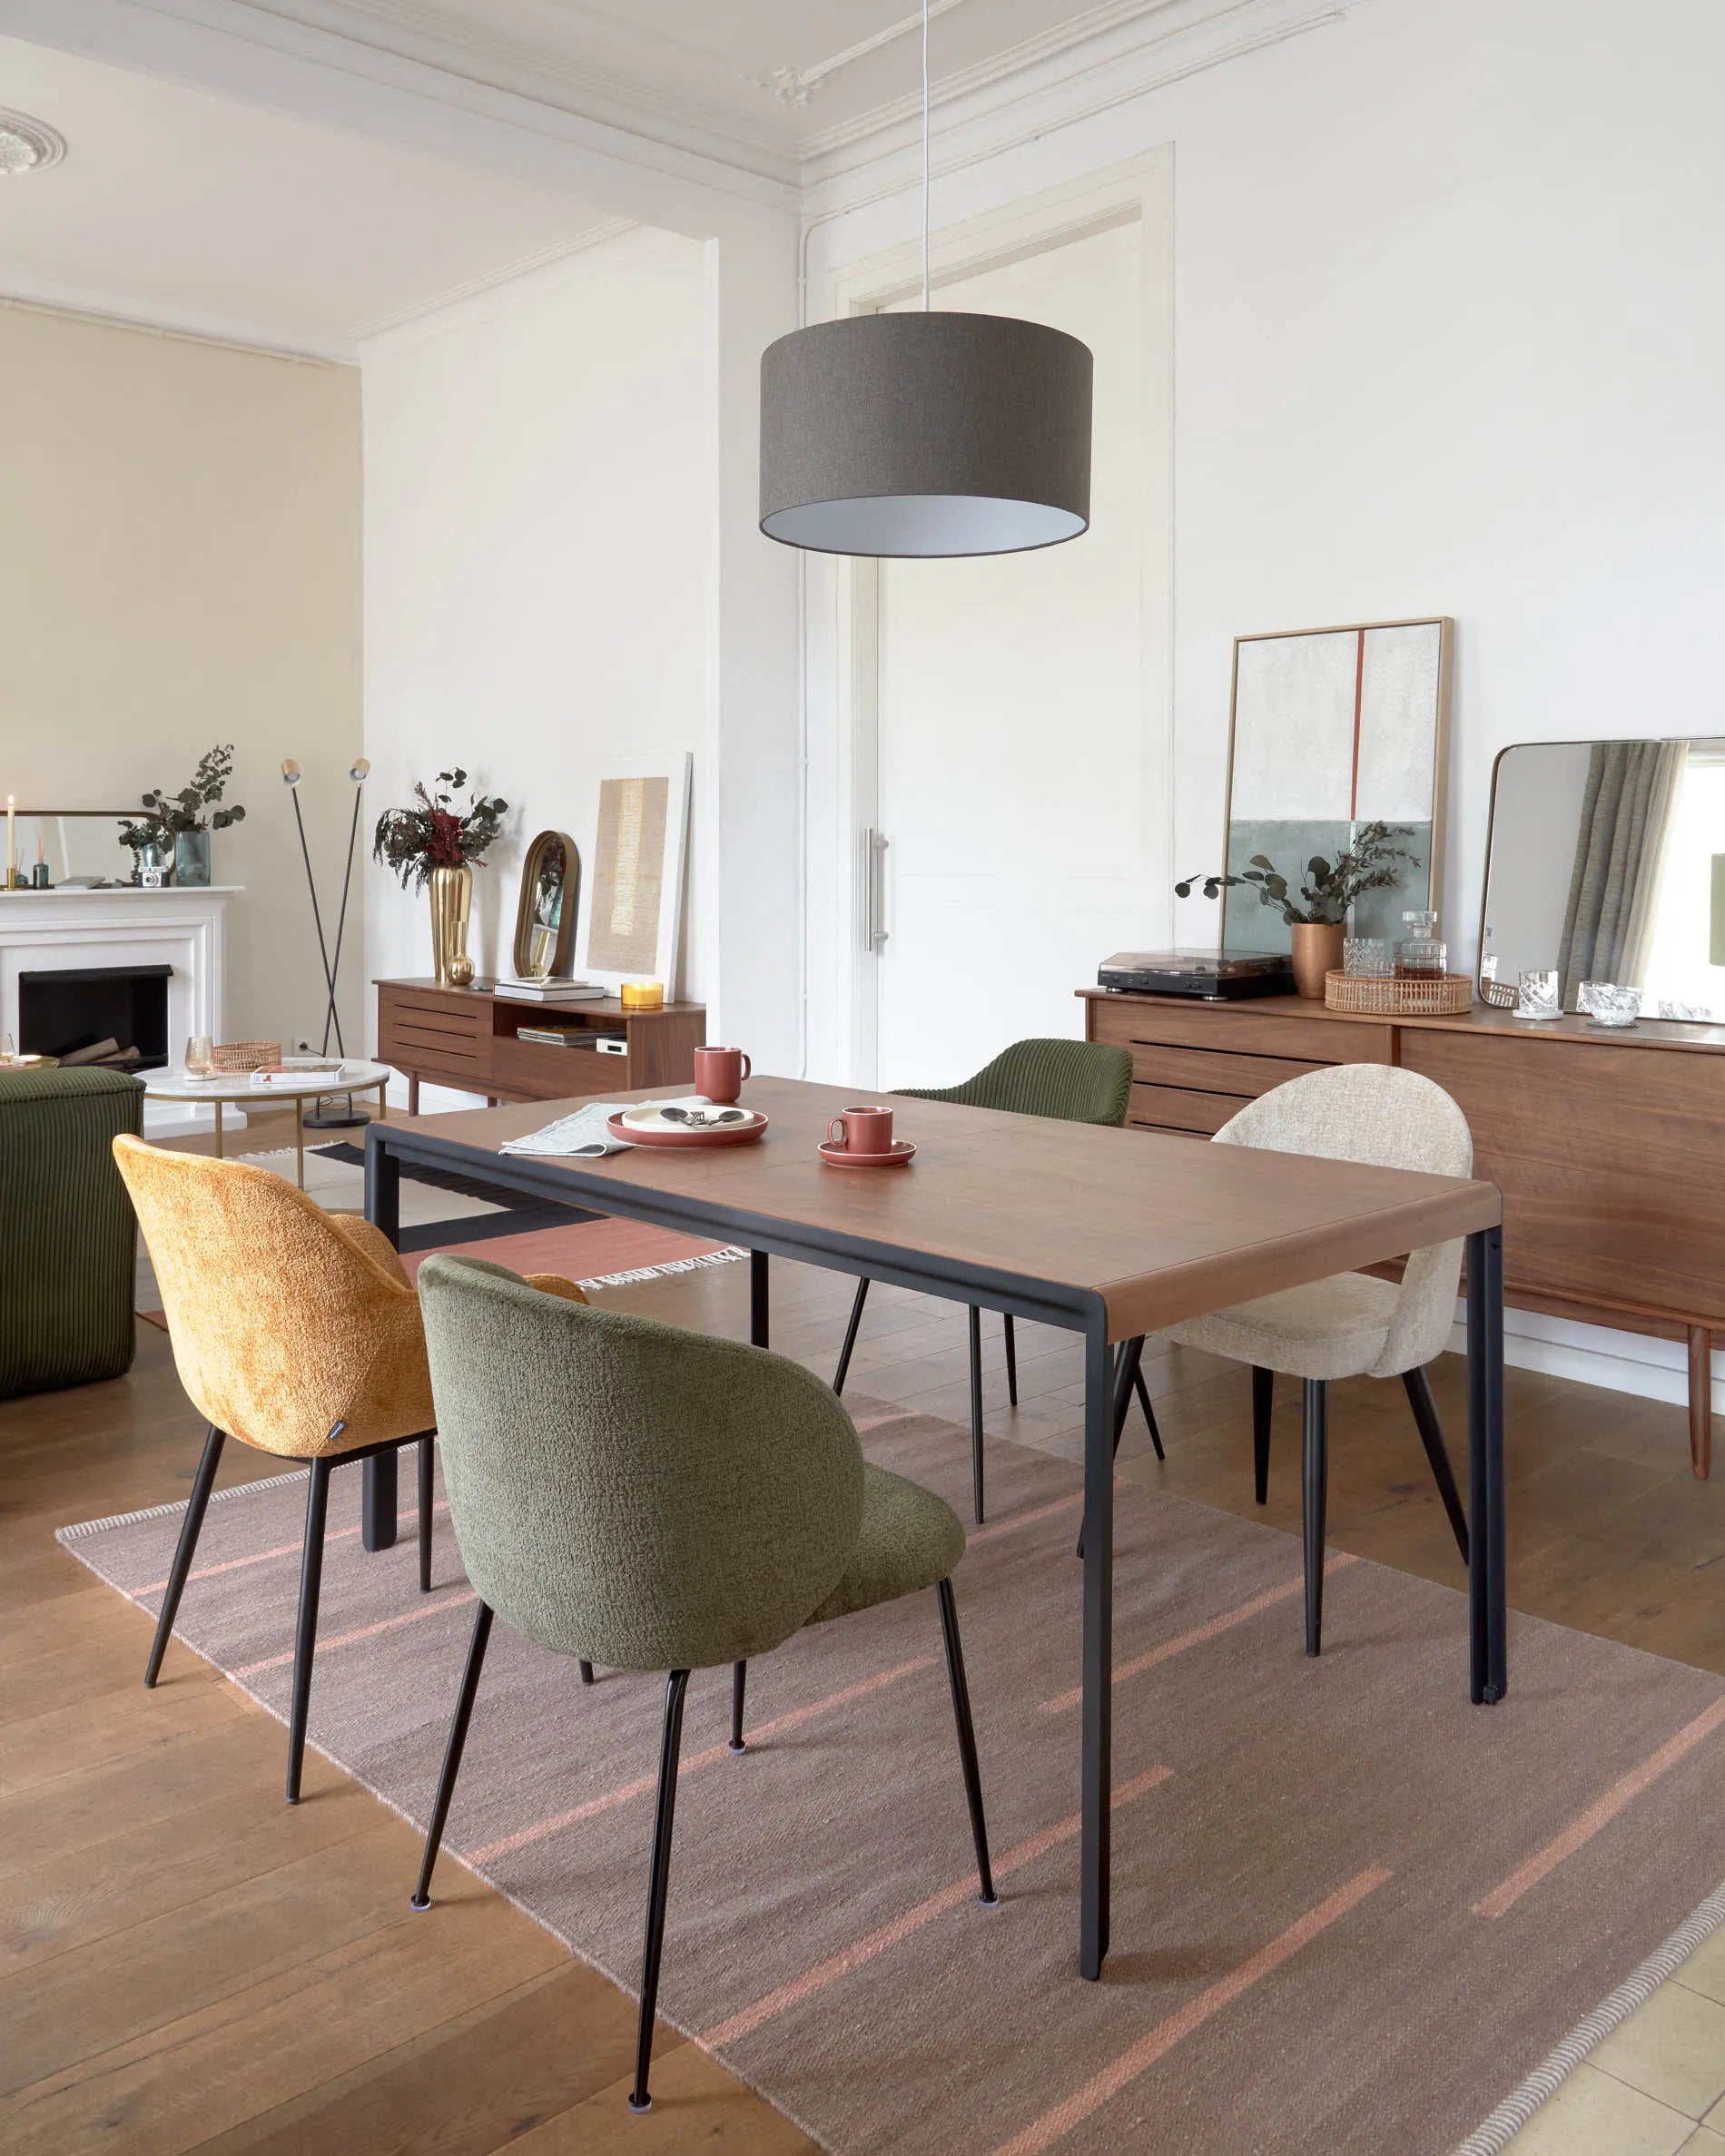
{"x":874,"y":892}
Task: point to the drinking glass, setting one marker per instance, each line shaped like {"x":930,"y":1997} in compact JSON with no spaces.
{"x":1538,"y":996}
{"x":200,"y":1055}
{"x":1608,"y":1005}
{"x":1365,"y":956}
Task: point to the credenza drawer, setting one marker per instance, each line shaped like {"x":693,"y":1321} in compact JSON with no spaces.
{"x":1207,"y":1070}
{"x":1176,"y":1107}
{"x":539,"y":1072}
{"x":1133,"y":1022}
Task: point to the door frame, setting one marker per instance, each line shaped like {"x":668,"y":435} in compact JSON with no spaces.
{"x":842,"y":639}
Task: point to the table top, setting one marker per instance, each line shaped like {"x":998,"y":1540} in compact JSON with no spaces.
{"x":1160,"y":1227}
{"x":236,"y":1084}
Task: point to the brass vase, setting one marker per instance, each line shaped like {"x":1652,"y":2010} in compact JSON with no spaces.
{"x":451,"y":902}
{"x":1318,"y":951}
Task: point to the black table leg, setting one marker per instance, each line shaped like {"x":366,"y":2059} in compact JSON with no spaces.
{"x":758,"y":1299}
{"x":1098,"y":1649}
{"x":383,"y":1210}
{"x":1487,"y":1568}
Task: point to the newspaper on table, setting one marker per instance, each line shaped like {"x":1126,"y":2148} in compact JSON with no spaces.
{"x":582,"y":1136}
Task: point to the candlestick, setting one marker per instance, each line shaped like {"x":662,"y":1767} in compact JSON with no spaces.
{"x":12,"y":841}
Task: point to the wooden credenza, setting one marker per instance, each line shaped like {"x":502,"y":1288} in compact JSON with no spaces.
{"x":466,"y":1038}
{"x":1609,"y":1147}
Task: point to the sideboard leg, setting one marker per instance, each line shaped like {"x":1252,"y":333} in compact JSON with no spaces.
{"x":413,"y":1093}
{"x":1701,"y":1401}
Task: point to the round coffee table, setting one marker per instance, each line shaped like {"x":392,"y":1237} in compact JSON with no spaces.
{"x":233,"y":1087}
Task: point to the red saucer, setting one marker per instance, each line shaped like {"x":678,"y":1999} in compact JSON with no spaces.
{"x":895,"y":1155}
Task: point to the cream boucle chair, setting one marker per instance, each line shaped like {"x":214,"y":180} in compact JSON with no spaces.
{"x":1353,"y":1325}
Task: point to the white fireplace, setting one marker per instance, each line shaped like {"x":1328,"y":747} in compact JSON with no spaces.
{"x":68,"y":930}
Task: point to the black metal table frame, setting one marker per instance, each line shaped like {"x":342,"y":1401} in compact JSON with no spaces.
{"x":1072,"y":1310}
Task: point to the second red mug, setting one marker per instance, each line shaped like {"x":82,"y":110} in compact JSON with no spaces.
{"x":862,"y":1130}
{"x":719,"y":1074}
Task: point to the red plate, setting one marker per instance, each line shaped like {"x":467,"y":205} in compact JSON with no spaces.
{"x":895,"y":1155}
{"x":722,"y":1134}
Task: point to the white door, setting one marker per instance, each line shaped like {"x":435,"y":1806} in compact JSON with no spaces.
{"x":1022,"y":786}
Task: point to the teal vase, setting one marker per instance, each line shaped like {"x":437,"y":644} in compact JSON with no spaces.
{"x":191,"y":857}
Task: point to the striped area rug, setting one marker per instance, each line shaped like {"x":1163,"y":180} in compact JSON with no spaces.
{"x":1351,"y":1913}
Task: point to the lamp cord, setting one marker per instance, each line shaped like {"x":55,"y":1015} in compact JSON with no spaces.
{"x":925,"y":156}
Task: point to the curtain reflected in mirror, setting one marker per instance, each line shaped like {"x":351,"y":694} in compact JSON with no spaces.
{"x":1606,"y":860}
{"x":545,"y":912}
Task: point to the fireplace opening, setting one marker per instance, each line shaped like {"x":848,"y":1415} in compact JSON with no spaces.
{"x":112,"y":1017}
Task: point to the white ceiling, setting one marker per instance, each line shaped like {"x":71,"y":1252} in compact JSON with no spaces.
{"x":181,"y":207}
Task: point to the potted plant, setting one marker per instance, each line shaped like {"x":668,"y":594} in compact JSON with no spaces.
{"x":433,"y":846}
{"x":1318,"y":921}
{"x":173,"y":832}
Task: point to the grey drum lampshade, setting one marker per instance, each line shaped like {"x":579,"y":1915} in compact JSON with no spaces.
{"x":924,"y":434}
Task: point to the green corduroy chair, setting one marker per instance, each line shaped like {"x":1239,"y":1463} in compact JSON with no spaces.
{"x":630,"y":1494}
{"x":68,"y":1235}
{"x":1074,"y":1081}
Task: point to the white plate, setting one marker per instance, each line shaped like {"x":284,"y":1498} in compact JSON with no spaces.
{"x":652,"y":1118}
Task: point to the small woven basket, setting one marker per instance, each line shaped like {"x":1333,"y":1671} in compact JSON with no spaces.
{"x":1404,"y":996}
{"x":245,"y":1055}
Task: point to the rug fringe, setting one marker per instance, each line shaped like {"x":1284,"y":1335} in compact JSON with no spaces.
{"x":1495,"y":2133}
{"x":91,"y":1527}
{"x":727,"y":1257}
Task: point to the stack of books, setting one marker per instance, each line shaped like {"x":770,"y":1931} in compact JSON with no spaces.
{"x":549,"y":991}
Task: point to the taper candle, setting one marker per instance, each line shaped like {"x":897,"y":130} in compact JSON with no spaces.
{"x":12,"y":840}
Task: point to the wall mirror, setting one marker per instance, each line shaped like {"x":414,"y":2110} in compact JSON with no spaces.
{"x":81,"y":847}
{"x":1331,"y":729}
{"x":1606,"y":862}
{"x":544,"y":915}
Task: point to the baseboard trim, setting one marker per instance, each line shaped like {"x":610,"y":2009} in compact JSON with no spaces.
{"x":1637,"y":1363}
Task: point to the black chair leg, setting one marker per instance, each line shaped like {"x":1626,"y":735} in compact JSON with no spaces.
{"x":840,"y":1375}
{"x":1419,"y":1398}
{"x":1316,"y":1476}
{"x":1143,"y":1392}
{"x":1263,"y":1407}
{"x":1011,"y":1361}
{"x":421,"y":1896}
{"x":659,"y":1881}
{"x":586,"y":1673}
{"x":305,"y":1638}
{"x":425,"y":1515}
{"x":976,"y":1413}
{"x":967,"y":1741}
{"x":739,"y":1684}
{"x":197,"y":1504}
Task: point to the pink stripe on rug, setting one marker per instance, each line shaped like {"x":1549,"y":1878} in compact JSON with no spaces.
{"x":1018,"y":1520}
{"x":774,"y":2003}
{"x":408,"y":1519}
{"x":1056,"y":2124}
{"x":509,"y":1843}
{"x":431,"y":1608}
{"x":1622,"y":1793}
{"x":1226,"y":1622}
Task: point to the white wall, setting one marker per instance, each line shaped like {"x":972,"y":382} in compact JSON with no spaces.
{"x":539,"y":581}
{"x":1448,"y":316}
{"x":179,"y":567}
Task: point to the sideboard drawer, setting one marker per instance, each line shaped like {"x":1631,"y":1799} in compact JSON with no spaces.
{"x":446,"y":1037}
{"x":1174,"y":1107}
{"x":1132,"y":1021}
{"x":537,"y":1072}
{"x":1207,"y":1070}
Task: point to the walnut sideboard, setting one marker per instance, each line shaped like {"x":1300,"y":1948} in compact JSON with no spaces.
{"x":468,"y":1039}
{"x":1608,"y":1146}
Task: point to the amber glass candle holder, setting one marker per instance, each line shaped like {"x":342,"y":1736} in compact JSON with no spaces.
{"x":642,"y":995}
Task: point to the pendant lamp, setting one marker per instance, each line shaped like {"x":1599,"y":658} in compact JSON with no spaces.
{"x":925,"y":433}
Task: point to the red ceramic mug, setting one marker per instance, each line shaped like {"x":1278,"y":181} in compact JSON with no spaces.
{"x":719,"y":1074}
{"x":862,"y":1130}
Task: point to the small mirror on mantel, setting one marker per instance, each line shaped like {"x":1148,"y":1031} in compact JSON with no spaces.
{"x":1606,"y":863}
{"x":80,"y":848}
{"x":544,"y":914}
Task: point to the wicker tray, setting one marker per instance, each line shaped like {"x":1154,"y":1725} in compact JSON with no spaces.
{"x":245,"y":1055}
{"x":1379,"y":995}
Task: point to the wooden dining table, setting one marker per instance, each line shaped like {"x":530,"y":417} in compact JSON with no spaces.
{"x":1106,"y":1233}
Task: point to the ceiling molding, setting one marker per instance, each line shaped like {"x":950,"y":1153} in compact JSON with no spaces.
{"x":796,"y":85}
{"x":484,"y":296}
{"x":124,"y":310}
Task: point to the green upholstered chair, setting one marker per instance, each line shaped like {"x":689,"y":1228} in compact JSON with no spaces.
{"x":68,"y":1238}
{"x":1074,"y":1081}
{"x":627,"y":1492}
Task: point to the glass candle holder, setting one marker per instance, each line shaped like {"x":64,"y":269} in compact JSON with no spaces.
{"x":1365,"y":956}
{"x":1539,"y":997}
{"x":1608,"y":1005}
{"x":642,"y":995}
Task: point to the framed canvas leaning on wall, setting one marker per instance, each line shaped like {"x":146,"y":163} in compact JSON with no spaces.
{"x":635,"y":907}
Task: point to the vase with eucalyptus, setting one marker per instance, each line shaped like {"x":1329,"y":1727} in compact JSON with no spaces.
{"x":173,"y":835}
{"x":1318,"y":917}
{"x":435,"y":846}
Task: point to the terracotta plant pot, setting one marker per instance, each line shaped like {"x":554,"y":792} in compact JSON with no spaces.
{"x":1318,"y":951}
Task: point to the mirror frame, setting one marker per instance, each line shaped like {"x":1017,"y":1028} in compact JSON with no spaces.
{"x":1444,"y":624}
{"x":1506,"y":1001}
{"x":562,"y":956}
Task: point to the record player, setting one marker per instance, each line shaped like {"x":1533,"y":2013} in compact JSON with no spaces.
{"x":1209,"y":974}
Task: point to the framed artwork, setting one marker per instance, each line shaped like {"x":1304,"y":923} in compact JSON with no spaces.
{"x":635,"y":904}
{"x":1330,"y":729}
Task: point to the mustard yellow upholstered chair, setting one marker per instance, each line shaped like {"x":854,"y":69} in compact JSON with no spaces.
{"x":294,"y":1329}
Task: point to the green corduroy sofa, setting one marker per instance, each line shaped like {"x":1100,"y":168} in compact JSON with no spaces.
{"x":68,"y":1235}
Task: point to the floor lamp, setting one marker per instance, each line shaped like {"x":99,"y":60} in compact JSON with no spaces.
{"x":328,"y":1115}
